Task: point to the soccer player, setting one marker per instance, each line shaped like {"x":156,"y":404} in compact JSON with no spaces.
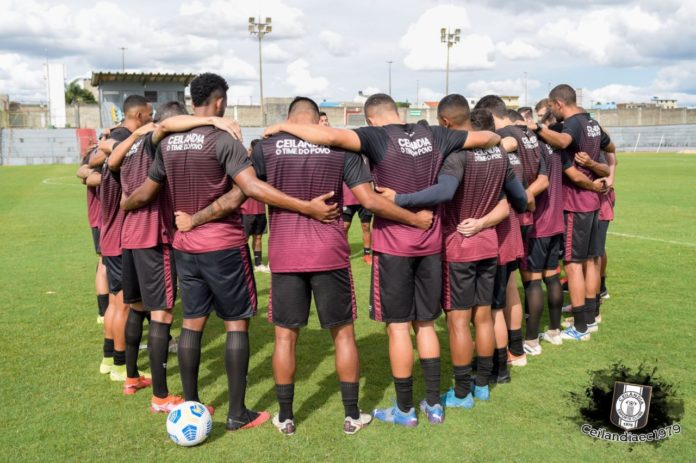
{"x":352,"y":206}
{"x":470,"y":184}
{"x":324,"y":119}
{"x":212,"y":261}
{"x":407,"y":269}
{"x":138,"y":112}
{"x":606,"y":215}
{"x":579,"y":134}
{"x":254,"y":219}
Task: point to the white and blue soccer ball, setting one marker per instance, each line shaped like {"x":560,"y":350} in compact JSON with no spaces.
{"x":189,"y":424}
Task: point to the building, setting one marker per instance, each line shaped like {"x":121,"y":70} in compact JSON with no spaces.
{"x":115,"y":87}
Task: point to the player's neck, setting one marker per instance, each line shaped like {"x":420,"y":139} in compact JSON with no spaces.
{"x":204,"y":111}
{"x":131,"y":124}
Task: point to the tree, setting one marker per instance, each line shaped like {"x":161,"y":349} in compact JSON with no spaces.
{"x":76,"y":94}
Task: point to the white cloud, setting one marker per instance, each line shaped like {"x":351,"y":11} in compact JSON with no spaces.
{"x":518,"y":50}
{"x":428,"y":94}
{"x":427,"y":53}
{"x":302,"y":82}
{"x":273,"y":53}
{"x":511,"y":87}
{"x":22,"y":78}
{"x":240,"y":95}
{"x":334,"y":43}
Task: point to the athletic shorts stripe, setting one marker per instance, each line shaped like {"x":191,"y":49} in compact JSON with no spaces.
{"x":376,"y":296}
{"x":168,"y":280}
{"x":353,"y":302}
{"x":249,"y":275}
{"x":569,"y":238}
{"x":446,"y":287}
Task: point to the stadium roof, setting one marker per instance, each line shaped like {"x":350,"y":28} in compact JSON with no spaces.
{"x":99,"y":78}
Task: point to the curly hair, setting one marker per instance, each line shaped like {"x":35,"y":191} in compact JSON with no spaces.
{"x":204,"y":86}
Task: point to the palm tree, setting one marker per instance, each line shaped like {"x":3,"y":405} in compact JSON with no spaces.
{"x":76,"y":94}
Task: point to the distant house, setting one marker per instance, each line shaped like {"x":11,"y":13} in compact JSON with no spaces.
{"x":115,"y":87}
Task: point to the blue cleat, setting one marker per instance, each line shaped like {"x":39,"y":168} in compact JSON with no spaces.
{"x":481,"y":392}
{"x":435,"y":413}
{"x":395,"y":416}
{"x":449,"y":399}
{"x":572,"y":334}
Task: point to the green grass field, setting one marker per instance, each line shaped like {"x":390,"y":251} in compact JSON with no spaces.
{"x":57,"y":406}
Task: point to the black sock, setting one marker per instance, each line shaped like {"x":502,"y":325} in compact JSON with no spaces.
{"x":515,"y":342}
{"x":349,"y":395}
{"x":598,"y":303}
{"x":500,"y":363}
{"x":525,"y":284}
{"x":257,"y":258}
{"x":404,"y":393}
{"x":554,"y":292}
{"x":367,"y":251}
{"x":189,"y":354}
{"x":158,"y":343}
{"x":431,"y":375}
{"x":462,"y":380}
{"x":579,"y":319}
{"x":237,"y":366}
{"x":534,"y":298}
{"x":119,"y":357}
{"x":590,"y":309}
{"x":134,"y":334}
{"x":285,"y":393}
{"x":108,"y":348}
{"x":483,"y":372}
{"x":102,"y":303}
{"x":603,"y":285}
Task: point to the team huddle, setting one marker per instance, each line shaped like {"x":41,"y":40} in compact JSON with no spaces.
{"x":458,"y":210}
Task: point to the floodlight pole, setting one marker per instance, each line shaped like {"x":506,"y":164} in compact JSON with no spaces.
{"x":123,"y":59}
{"x":449,"y":38}
{"x":260,"y":29}
{"x":390,"y":88}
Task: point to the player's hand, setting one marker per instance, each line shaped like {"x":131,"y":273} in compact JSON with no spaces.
{"x":470,"y":227}
{"x":424,"y":219}
{"x":321,"y":211}
{"x":106,"y":145}
{"x":145,"y":129}
{"x":386,"y":192}
{"x":531,"y":201}
{"x":184,"y":221}
{"x":272,"y":130}
{"x":509,"y":144}
{"x":600,"y":185}
{"x":583,"y":159}
{"x":610,"y":184}
{"x":230,"y":126}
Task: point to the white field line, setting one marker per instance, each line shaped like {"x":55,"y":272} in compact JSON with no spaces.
{"x":55,"y":181}
{"x":648,"y":238}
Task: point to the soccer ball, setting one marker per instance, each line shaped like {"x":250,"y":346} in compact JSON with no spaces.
{"x":189,"y":424}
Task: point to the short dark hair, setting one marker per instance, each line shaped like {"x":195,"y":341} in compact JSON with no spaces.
{"x":304,"y":103}
{"x":564,"y":93}
{"x":254,"y":142}
{"x":169,"y":109}
{"x":543,"y":103}
{"x":482,"y":119}
{"x":322,"y":114}
{"x":494,"y":104}
{"x":524,"y":109}
{"x":379,"y":99}
{"x":133,"y":101}
{"x":514,"y":116}
{"x":454,"y":107}
{"x":204,"y":86}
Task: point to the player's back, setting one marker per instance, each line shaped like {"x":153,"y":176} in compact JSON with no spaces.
{"x":548,"y":215}
{"x":588,"y":139}
{"x":508,"y":231}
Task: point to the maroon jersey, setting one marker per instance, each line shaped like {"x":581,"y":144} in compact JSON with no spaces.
{"x":198,"y":166}
{"x":93,"y":204}
{"x":606,"y":205}
{"x":481,"y":175}
{"x":548,"y":215}
{"x":589,"y":137}
{"x":151,"y":224}
{"x":349,"y":198}
{"x":110,"y":198}
{"x":508,"y":231}
{"x":252,"y":207}
{"x":303,"y":170}
{"x":530,"y":154}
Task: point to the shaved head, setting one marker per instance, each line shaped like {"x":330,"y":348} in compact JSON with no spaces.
{"x":379,"y":103}
{"x":305,"y":106}
{"x":454,"y":108}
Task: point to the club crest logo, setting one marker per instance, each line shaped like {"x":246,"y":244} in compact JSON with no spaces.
{"x":631,"y":405}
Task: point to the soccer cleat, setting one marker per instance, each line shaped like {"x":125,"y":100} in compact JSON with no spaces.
{"x":592,"y":327}
{"x":481,"y":392}
{"x":574,"y":335}
{"x":598,"y":319}
{"x":449,"y":399}
{"x":173,"y":346}
{"x":106,"y":365}
{"x":287,"y":427}
{"x":142,"y":346}
{"x":395,"y":416}
{"x":262,"y":268}
{"x":553,"y":338}
{"x":166,"y":404}
{"x":567,"y":308}
{"x":604,"y":294}
{"x":118,"y":373}
{"x":368,"y":259}
{"x":235,"y":425}
{"x":352,"y":426}
{"x":133,"y":385}
{"x":435,"y":413}
{"x":517,"y":360}
{"x":532,"y":350}
{"x":500,"y":379}
{"x":100,"y":319}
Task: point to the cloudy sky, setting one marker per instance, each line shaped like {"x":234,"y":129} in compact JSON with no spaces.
{"x":615,"y":50}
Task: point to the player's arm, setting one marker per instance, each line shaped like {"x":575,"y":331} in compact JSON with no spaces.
{"x":582,"y":181}
{"x":218,"y":209}
{"x":482,"y":139}
{"x":184,"y":123}
{"x":319,"y":135}
{"x":560,"y":140}
{"x":83,"y":172}
{"x":598,"y":168}
{"x":515,"y":192}
{"x":539,"y":185}
{"x":93,"y":179}
{"x":97,"y":159}
{"x":470,"y":227}
{"x":119,"y":150}
{"x":384,"y":208}
{"x":142,"y":196}
{"x":509,"y":144}
{"x":612,"y":162}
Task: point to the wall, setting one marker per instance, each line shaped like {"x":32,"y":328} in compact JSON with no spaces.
{"x":20,"y":147}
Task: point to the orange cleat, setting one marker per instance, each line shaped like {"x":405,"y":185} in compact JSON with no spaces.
{"x":368,"y":259}
{"x":166,"y":404}
{"x":133,"y":385}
